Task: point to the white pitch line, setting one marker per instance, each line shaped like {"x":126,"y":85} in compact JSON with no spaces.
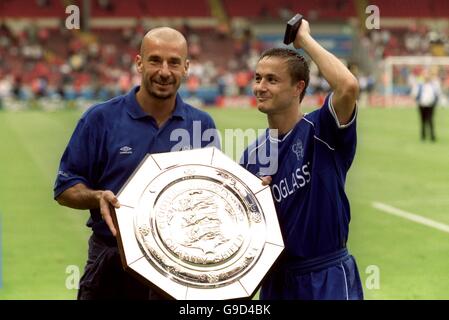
{"x":411,"y":216}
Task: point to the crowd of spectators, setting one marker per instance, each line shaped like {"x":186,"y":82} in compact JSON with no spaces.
{"x":414,"y":40}
{"x":70,"y":64}
{"x":40,"y":62}
{"x":61,"y":63}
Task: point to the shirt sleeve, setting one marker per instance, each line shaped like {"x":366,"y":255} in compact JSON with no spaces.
{"x":78,"y":161}
{"x":341,"y":138}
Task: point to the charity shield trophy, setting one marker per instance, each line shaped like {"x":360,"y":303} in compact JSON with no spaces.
{"x":196,"y":225}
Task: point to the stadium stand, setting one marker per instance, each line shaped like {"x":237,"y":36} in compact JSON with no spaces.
{"x":44,"y":59}
{"x":337,"y":10}
{"x":35,"y":9}
{"x":106,"y":8}
{"x":152,"y":8}
{"x":413,"y":9}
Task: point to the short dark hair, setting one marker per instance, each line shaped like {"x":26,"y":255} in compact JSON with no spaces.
{"x":297,"y":65}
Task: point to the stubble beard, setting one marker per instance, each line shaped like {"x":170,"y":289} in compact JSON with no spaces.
{"x":153,"y":93}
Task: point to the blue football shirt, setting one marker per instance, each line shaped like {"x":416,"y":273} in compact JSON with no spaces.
{"x":112,"y":138}
{"x":308,"y":166}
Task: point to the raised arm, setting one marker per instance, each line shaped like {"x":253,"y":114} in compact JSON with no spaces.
{"x":81,"y":197}
{"x":341,"y":80}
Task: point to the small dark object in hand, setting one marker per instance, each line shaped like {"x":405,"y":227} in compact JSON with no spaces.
{"x":292,"y":28}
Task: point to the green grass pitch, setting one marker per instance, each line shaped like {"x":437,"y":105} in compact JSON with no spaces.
{"x":41,"y":240}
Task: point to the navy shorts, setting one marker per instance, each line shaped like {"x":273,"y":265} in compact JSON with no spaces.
{"x":331,"y":277}
{"x":104,"y":277}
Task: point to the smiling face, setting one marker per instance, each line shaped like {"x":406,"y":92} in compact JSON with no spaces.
{"x":162,"y":62}
{"x":273,"y":86}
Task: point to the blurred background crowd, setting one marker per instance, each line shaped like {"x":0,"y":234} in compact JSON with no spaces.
{"x":41,"y":58}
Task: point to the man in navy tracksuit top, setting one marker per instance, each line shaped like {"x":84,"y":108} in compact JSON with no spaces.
{"x":110,"y":141}
{"x":305,"y":159}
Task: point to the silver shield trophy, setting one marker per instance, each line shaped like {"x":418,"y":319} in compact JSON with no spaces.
{"x":197,"y":225}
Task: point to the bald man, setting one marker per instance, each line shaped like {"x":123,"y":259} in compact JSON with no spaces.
{"x":109,"y":142}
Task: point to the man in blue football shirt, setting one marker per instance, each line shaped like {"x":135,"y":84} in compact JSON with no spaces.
{"x":310,"y":155}
{"x":110,"y":141}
